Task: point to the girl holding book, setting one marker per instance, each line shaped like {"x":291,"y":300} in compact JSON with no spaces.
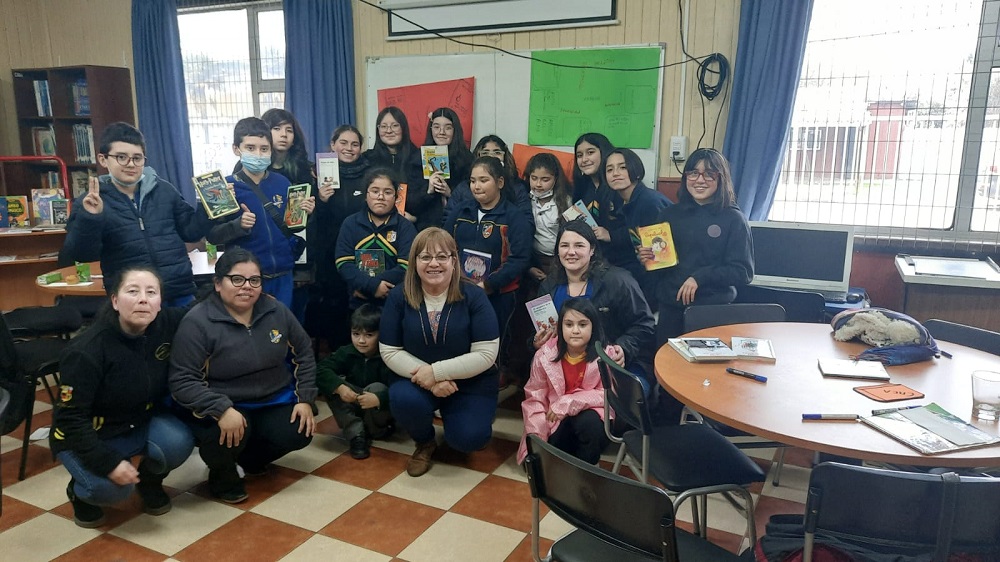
{"x":393,"y":148}
{"x":549,"y":200}
{"x":590,"y":187}
{"x":427,"y":197}
{"x":564,"y":398}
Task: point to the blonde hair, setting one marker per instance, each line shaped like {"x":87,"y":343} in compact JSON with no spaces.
{"x":431,"y":238}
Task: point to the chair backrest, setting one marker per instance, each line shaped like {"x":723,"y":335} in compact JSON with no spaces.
{"x":617,"y":510}
{"x":8,"y":355}
{"x":711,"y":315}
{"x":969,"y":336}
{"x":40,"y":321}
{"x":800,"y":306}
{"x":625,"y":393}
{"x":872,"y":508}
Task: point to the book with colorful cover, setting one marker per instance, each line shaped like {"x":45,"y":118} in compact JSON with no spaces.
{"x":543,"y":313}
{"x":17,"y":211}
{"x":659,"y":238}
{"x":41,"y":208}
{"x":370,"y":261}
{"x":295,"y":217}
{"x":4,"y":223}
{"x":80,"y":181}
{"x":930,"y":429}
{"x":327,"y":169}
{"x":476,"y":265}
{"x":59,"y":211}
{"x":434,"y":159}
{"x":702,"y":350}
{"x":401,"y":198}
{"x":215,"y":194}
{"x":44,"y":141}
{"x":754,"y":349}
{"x":853,"y":369}
{"x":579,"y":211}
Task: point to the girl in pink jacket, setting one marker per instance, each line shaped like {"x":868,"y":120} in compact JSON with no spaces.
{"x":564,"y":398}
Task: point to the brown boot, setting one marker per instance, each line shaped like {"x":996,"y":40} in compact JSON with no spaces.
{"x":420,"y":462}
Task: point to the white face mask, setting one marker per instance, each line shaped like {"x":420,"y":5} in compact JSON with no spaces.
{"x":535,"y":196}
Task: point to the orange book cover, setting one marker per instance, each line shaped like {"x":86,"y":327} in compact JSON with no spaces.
{"x":401,"y":198}
{"x":658,"y":237}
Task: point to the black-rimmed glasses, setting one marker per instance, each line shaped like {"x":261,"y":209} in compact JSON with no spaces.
{"x":124,"y":159}
{"x":239,"y":280}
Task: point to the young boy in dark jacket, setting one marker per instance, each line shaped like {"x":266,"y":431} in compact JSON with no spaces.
{"x":355,"y":382}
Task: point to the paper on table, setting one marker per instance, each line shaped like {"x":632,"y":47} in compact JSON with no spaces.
{"x":927,"y":419}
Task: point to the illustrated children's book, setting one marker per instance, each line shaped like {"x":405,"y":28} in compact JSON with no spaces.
{"x":44,"y":140}
{"x":543,"y":313}
{"x":295,"y":217}
{"x":658,"y":237}
{"x":930,"y":429}
{"x":401,"y":198}
{"x":476,"y":265}
{"x":59,"y":211}
{"x":435,"y":159}
{"x":370,"y":261}
{"x":579,"y":211}
{"x":17,"y":211}
{"x":215,"y":194}
{"x":79,"y":180}
{"x":40,"y":204}
{"x":327,"y":169}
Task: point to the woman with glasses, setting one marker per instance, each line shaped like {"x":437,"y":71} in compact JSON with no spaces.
{"x":440,"y":336}
{"x":712,"y":239}
{"x":393,"y":148}
{"x":492,"y":145}
{"x":427,"y":198}
{"x":248,"y":404}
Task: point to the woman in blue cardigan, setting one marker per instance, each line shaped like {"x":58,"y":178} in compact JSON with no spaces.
{"x":440,"y":336}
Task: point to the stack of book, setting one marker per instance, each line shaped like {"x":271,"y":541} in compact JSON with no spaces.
{"x":42,"y":101}
{"x":699,"y":350}
{"x":81,"y":100}
{"x":83,"y":140}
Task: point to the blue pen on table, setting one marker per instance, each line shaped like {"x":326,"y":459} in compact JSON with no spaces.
{"x":891,"y":410}
{"x":829,"y":417}
{"x":745,"y":374}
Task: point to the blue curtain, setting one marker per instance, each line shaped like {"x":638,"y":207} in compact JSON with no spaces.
{"x":769,"y":55}
{"x":319,"y":67}
{"x":159,"y":87}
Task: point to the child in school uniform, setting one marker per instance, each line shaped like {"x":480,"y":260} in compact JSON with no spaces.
{"x":355,"y":381}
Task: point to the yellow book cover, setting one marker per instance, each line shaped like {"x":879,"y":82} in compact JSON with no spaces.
{"x":658,"y":237}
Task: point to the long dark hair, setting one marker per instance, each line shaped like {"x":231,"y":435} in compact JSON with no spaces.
{"x":597,"y":264}
{"x":725,"y":196}
{"x":404,"y":150}
{"x":230,"y":258}
{"x":496,"y":170}
{"x":585,"y":307}
{"x":458,"y":153}
{"x":603,"y":144}
{"x":510,"y":167}
{"x":107,"y":310}
{"x":297,"y":159}
{"x":560,"y":188}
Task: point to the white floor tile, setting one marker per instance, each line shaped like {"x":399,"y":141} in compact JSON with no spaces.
{"x":189,"y":474}
{"x":442,"y":487}
{"x":721,"y":515}
{"x":191,"y":518}
{"x":508,"y":425}
{"x":43,"y":538}
{"x":794,"y":484}
{"x":322,"y":449}
{"x":552,"y":526}
{"x":312,"y":502}
{"x":510,"y":469}
{"x":456,"y":537}
{"x":46,"y":490}
{"x":323,"y":549}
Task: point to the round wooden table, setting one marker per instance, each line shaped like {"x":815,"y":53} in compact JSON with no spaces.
{"x":774,"y":409}
{"x":93,"y":289}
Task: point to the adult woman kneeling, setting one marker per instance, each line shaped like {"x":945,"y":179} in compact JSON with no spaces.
{"x":441,"y":337}
{"x":229,"y":369}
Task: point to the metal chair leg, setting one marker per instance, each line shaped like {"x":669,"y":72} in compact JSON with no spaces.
{"x":781,"y":464}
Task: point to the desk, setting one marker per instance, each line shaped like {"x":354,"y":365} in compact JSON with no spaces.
{"x":795,"y":386}
{"x":93,"y":289}
{"x":965,"y":300}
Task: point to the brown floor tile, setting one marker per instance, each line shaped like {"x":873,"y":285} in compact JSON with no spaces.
{"x":383,"y":523}
{"x":41,"y":419}
{"x":259,"y":488}
{"x":487,"y":460}
{"x":371,"y":473}
{"x":39,"y":460}
{"x":229,"y":542}
{"x":799,"y":457}
{"x":328,"y":426}
{"x":498,"y":500}
{"x":523,"y":551}
{"x":767,"y":506}
{"x":16,"y":512}
{"x":111,"y":548}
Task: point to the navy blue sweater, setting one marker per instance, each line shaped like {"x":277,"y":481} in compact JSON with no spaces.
{"x":504,"y":232}
{"x":643,"y":209}
{"x":360,"y":233}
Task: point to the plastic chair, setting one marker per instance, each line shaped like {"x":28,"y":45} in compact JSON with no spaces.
{"x":616,"y":518}
{"x":800,"y":306}
{"x":893,"y":512}
{"x":969,"y":336}
{"x":43,"y":321}
{"x":690,"y":460}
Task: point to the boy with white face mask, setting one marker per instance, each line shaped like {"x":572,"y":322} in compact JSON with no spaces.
{"x":132,"y":217}
{"x":260,"y":227}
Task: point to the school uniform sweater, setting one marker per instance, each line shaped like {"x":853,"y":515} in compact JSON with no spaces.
{"x":462,"y":196}
{"x":391,"y":239}
{"x":643,"y":209}
{"x":504,"y":232}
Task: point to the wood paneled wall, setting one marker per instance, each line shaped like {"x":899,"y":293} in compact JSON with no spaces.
{"x":713,"y":27}
{"x":43,"y":33}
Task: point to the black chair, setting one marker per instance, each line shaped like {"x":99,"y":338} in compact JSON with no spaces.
{"x":800,"y":306}
{"x":616,"y":518}
{"x":969,"y":336}
{"x":893,"y":512}
{"x":32,"y":361}
{"x":4,"y":404}
{"x":710,"y":315}
{"x":690,"y":460}
{"x":43,"y":321}
{"x":87,"y":306}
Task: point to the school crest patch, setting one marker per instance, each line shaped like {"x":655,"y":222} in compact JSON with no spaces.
{"x":487,"y":230}
{"x":65,"y":392}
{"x":278,"y":200}
{"x":275,"y":336}
{"x":162,"y":353}
{"x":390,"y":236}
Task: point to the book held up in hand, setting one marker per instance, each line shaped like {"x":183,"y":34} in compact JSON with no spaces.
{"x":327,"y":169}
{"x":754,"y":349}
{"x":702,"y":350}
{"x":434,"y":159}
{"x":370,"y":261}
{"x":295,"y":216}
{"x":852,"y":369}
{"x":579,"y":211}
{"x":543,"y":313}
{"x":475,"y":265}
{"x":215,"y":194}
{"x":930,"y":429}
{"x":658,"y":237}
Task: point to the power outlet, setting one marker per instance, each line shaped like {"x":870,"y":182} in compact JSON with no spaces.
{"x":678,"y":148}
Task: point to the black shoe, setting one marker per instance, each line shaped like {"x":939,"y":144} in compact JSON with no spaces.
{"x":155,"y":501}
{"x":360,"y":448}
{"x":229,"y":490}
{"x":236,"y":494}
{"x":85,"y":515}
{"x":254,"y":470}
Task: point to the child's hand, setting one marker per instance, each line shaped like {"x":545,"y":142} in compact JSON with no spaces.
{"x":645,"y":254}
{"x":552,"y":417}
{"x":543,"y":336}
{"x":367,"y":400}
{"x":325,"y":192}
{"x":309,"y":205}
{"x":686,"y":293}
{"x":617,"y":354}
{"x":248,"y":218}
{"x":383,"y":289}
{"x":537,"y":274}
{"x":346,"y":394}
{"x":602,"y":234}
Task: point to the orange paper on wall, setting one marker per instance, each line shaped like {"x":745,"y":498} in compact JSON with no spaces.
{"x":524,"y":152}
{"x":417,"y":101}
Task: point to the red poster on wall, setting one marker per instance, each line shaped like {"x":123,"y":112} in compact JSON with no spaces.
{"x":418,"y":100}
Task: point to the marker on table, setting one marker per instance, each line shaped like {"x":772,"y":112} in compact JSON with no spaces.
{"x":745,"y":374}
{"x":830,"y":417}
{"x":891,"y":410}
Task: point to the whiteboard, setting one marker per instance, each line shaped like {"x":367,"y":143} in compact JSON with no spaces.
{"x":501,"y":99}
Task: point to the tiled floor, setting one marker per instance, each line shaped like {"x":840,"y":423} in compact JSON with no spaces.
{"x":320,"y":504}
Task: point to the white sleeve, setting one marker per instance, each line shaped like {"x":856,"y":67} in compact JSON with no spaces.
{"x":480,"y":357}
{"x":402,"y":362}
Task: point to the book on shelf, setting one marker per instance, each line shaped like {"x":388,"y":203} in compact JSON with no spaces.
{"x":42,"y":101}
{"x":4,"y":222}
{"x":930,"y":429}
{"x":17,"y":211}
{"x":475,"y":265}
{"x":434,"y":159}
{"x":43,"y":140}
{"x":543,"y":313}
{"x":371,"y":261}
{"x":215,"y":194}
{"x":81,"y":100}
{"x":83,"y":144}
{"x":41,"y":208}
{"x":80,"y":182}
{"x":754,"y":349}
{"x":659,"y":239}
{"x":59,"y":211}
{"x":327,"y":169}
{"x":295,"y":217}
{"x":702,"y":350}
{"x":579,"y":211}
{"x":50,"y":180}
{"x":852,"y":369}
{"x":401,"y":198}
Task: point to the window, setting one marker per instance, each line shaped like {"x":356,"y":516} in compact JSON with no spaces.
{"x":896,"y":124}
{"x":234,"y":67}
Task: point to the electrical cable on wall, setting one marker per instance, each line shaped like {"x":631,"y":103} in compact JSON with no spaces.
{"x":707,"y":91}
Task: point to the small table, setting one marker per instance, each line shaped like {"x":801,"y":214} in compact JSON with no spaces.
{"x":93,"y":289}
{"x":773,"y":410}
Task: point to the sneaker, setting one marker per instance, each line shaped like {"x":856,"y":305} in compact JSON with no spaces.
{"x":420,"y":462}
{"x":227,"y":488}
{"x":236,"y":494}
{"x":155,"y":501}
{"x":360,"y":448}
{"x":85,"y":515}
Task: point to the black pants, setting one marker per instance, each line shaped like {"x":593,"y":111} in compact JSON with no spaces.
{"x":582,"y":436}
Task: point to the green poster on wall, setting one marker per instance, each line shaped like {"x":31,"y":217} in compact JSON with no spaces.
{"x":566,"y":102}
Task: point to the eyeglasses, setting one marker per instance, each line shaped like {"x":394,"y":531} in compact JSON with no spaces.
{"x":709,"y":175}
{"x":383,"y":193}
{"x":239,"y":280}
{"x":438,"y":128}
{"x":386,"y":127}
{"x":440,"y":258}
{"x":494,"y":153}
{"x":124,"y":159}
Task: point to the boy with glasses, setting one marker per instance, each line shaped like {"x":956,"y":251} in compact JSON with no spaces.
{"x":132,"y":217}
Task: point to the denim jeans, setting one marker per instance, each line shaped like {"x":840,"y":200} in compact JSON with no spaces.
{"x":165,"y":441}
